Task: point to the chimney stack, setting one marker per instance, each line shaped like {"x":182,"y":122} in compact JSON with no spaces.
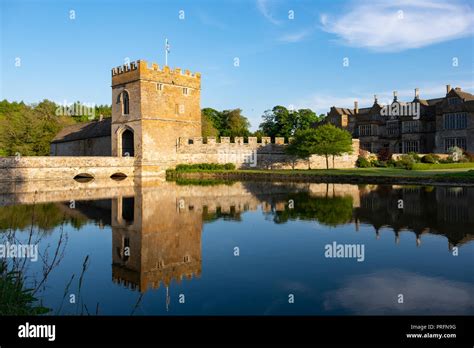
{"x":395,"y":96}
{"x":375,"y":99}
{"x":448,"y":88}
{"x":356,"y":107}
{"x":417,"y":93}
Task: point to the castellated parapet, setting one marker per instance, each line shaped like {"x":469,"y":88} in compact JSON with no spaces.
{"x":267,"y":153}
{"x":141,"y":69}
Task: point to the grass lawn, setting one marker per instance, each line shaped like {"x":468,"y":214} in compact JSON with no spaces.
{"x":442,"y":166}
{"x":456,"y":172}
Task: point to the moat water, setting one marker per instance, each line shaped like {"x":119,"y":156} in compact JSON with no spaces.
{"x":246,"y":248}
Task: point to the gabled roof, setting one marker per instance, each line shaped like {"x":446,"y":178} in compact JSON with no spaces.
{"x":86,"y":130}
{"x":463,"y":95}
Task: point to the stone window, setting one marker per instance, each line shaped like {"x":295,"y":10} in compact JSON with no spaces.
{"x":410,"y":126}
{"x":185,"y":91}
{"x":125,"y":103}
{"x":454,"y":101}
{"x":365,"y":130}
{"x":456,"y":120}
{"x":159,"y":86}
{"x":392,"y":127}
{"x":451,"y":142}
{"x":411,"y":146}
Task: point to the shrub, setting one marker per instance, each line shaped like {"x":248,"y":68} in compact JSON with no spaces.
{"x":415,"y":156}
{"x":469,"y":156}
{"x":363,"y":162}
{"x":430,"y":158}
{"x":391,"y":163}
{"x":384,"y":154}
{"x":406,"y":162}
{"x":363,"y":153}
{"x":456,"y":154}
{"x":204,"y":166}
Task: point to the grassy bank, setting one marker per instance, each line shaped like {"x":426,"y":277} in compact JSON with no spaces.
{"x":462,"y":176}
{"x":443,"y":166}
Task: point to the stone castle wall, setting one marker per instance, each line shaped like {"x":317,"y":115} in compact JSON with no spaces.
{"x":253,"y":154}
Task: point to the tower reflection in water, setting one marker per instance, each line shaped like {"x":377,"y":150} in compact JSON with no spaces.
{"x":157,"y":232}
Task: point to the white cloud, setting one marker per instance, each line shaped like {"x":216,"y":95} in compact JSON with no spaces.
{"x":295,"y":37}
{"x":264,"y":9}
{"x":377,"y":293}
{"x":404,"y":24}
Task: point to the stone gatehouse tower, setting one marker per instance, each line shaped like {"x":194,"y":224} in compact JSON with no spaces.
{"x":151,"y":109}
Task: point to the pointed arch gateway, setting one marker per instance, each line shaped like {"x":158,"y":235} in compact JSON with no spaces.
{"x":126,"y":142}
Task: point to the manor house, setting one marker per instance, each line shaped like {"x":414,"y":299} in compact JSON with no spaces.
{"x":422,"y":125}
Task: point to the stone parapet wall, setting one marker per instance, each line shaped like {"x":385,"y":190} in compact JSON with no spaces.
{"x":55,"y":167}
{"x":265,"y":154}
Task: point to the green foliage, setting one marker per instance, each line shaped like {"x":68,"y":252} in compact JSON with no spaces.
{"x":230,"y":123}
{"x":363,"y":162}
{"x":14,"y":298}
{"x":406,"y":161}
{"x":456,"y":154}
{"x":430,"y":158}
{"x":416,"y":158}
{"x":429,"y":166}
{"x":331,"y":211}
{"x":281,"y":122}
{"x":45,"y":216}
{"x":29,"y":129}
{"x":204,"y":167}
{"x":326,"y":140}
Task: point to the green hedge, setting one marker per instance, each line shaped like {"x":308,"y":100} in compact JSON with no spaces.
{"x":204,"y":166}
{"x":427,"y":166}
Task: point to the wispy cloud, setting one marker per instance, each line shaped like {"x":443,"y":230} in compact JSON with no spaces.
{"x":377,"y":293}
{"x":295,"y":37}
{"x":405,"y":24}
{"x":264,"y":8}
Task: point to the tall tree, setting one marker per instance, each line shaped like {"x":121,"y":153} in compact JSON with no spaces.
{"x":235,"y":123}
{"x":326,"y":140}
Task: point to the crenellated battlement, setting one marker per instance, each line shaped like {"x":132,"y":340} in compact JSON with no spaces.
{"x":142,"y":67}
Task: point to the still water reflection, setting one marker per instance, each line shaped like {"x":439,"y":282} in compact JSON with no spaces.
{"x":244,"y":248}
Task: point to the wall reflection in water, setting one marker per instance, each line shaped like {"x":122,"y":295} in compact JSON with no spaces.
{"x":157,"y":228}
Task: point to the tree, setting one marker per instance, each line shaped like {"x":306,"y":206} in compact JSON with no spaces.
{"x":281,"y":122}
{"x":229,"y":123}
{"x":305,"y":118}
{"x":235,"y":124}
{"x":326,"y":140}
{"x":207,"y":126}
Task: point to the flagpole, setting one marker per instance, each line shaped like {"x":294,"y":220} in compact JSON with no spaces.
{"x":166,"y":52}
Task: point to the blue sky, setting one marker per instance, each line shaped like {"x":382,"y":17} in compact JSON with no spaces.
{"x":397,"y":45}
